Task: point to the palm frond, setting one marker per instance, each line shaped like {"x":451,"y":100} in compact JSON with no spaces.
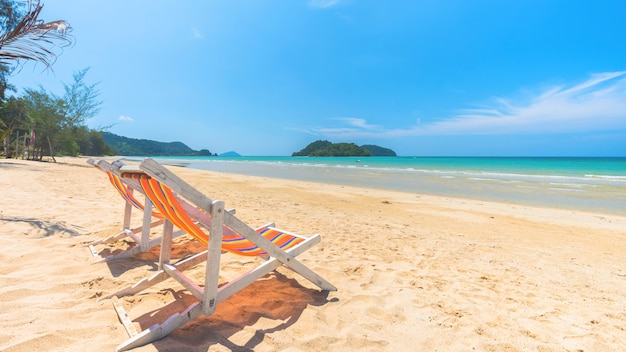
{"x":33,"y":39}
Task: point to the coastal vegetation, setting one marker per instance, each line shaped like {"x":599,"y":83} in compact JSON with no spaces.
{"x":378,"y":151}
{"x":39,"y":120}
{"x":144,"y":147}
{"x":327,"y":148}
{"x":39,"y":123}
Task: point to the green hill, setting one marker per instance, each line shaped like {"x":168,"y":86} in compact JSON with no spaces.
{"x":378,"y":151}
{"x":326,"y":148}
{"x":145,"y":147}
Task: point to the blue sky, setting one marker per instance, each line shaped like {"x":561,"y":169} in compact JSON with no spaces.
{"x":427,"y":78}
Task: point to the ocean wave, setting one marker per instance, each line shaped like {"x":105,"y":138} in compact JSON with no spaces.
{"x":455,"y":171}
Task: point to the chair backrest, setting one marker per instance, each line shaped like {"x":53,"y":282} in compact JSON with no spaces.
{"x":121,"y":187}
{"x":187,"y":217}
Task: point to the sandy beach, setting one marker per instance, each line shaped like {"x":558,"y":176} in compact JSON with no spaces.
{"x":413,"y":272}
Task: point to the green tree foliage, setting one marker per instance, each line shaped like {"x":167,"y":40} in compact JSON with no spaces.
{"x":10,"y":15}
{"x":145,"y":147}
{"x":46,"y":112}
{"x":12,"y":116}
{"x":326,"y":148}
{"x":205,"y":152}
{"x":81,"y":100}
{"x":312,"y":147}
{"x":378,"y":151}
{"x":341,"y":149}
{"x":4,"y":83}
{"x":25,"y":37}
{"x":59,"y":123}
{"x":93,"y":143}
{"x":80,"y":140}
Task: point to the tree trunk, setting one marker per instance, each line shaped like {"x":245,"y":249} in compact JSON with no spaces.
{"x":51,"y":150}
{"x":17,"y":145}
{"x":5,"y":144}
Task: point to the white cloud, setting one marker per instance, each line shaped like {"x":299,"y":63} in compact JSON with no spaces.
{"x":360,"y":123}
{"x":323,"y":4}
{"x":597,"y":104}
{"x":125,"y":118}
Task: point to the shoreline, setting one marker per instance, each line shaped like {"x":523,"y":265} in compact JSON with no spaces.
{"x":413,"y":271}
{"x":564,"y":192}
{"x":553,"y":215}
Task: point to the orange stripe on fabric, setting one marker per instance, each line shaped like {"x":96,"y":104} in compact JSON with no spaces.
{"x":123,"y":190}
{"x":168,"y":204}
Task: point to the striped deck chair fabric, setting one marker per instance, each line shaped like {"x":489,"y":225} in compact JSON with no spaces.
{"x":128,"y":196}
{"x":139,"y":234}
{"x":169,"y":204}
{"x":208,"y":221}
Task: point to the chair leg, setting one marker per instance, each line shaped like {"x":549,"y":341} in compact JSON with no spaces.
{"x":145,"y":232}
{"x":158,"y":277}
{"x":159,"y":331}
{"x":303,"y":270}
{"x":123,"y":234}
{"x":113,"y":238}
{"x":166,"y":244}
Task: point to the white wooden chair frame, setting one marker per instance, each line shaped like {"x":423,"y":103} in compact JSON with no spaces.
{"x":210,"y":294}
{"x":143,"y":242}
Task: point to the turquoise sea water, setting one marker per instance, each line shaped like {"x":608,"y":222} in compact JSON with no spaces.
{"x":589,"y":184}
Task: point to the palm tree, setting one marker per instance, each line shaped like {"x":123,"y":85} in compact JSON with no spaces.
{"x":28,"y":37}
{"x":23,"y":36}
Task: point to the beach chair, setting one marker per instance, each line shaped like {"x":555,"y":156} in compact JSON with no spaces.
{"x":188,"y":209}
{"x":151,"y":217}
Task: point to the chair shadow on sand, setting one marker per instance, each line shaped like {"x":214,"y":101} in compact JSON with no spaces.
{"x":277,"y":299}
{"x":183,"y":247}
{"x":46,"y":228}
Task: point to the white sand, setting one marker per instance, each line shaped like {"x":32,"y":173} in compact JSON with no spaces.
{"x":414,"y":272}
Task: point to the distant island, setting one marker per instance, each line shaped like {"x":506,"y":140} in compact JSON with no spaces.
{"x":326,"y":148}
{"x":145,"y":147}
